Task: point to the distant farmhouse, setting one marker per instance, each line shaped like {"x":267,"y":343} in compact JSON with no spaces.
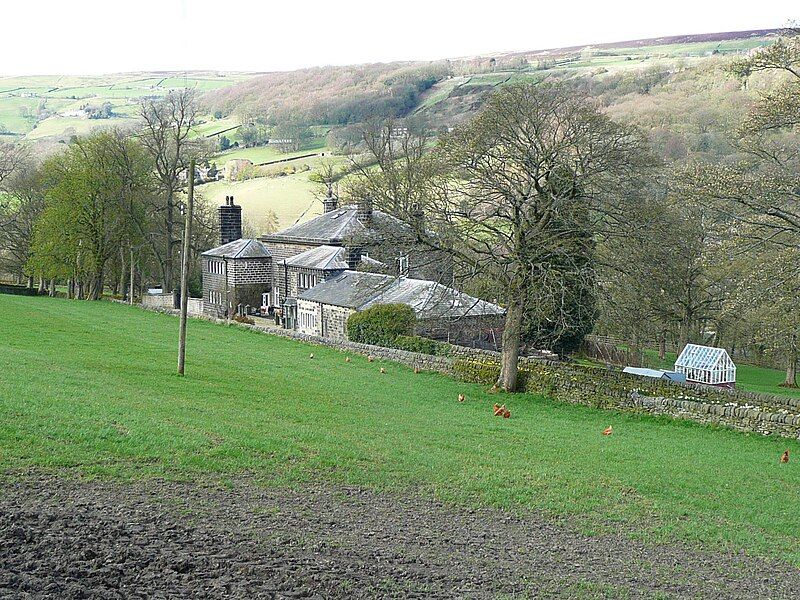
{"x":312,"y":276}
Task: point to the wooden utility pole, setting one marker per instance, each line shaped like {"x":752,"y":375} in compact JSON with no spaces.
{"x":187,"y":234}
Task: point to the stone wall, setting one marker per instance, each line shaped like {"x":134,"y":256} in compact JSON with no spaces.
{"x":589,"y":386}
{"x":159,"y":301}
{"x":17,"y":290}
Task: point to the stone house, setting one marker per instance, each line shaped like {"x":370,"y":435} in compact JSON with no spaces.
{"x":442,"y":312}
{"x":368,"y":240}
{"x":313,"y":275}
{"x":238,"y":273}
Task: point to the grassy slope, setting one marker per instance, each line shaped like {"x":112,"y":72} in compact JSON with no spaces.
{"x":290,"y":197}
{"x":91,"y":386}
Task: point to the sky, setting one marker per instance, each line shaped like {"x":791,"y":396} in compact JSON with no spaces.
{"x":90,"y":37}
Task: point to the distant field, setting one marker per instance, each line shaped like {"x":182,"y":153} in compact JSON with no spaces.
{"x":290,"y":198}
{"x":112,"y":406}
{"x":59,"y":93}
{"x":268,"y":153}
{"x":599,"y":61}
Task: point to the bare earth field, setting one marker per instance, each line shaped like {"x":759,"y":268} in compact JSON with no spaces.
{"x":63,"y":538}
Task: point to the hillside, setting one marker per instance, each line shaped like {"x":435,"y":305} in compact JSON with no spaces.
{"x":448,"y":90}
{"x":113,"y":407}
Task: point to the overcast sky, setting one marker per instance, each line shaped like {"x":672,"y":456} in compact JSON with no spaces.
{"x":93,"y":37}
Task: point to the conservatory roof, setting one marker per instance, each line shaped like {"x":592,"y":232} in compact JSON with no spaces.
{"x":695,"y":356}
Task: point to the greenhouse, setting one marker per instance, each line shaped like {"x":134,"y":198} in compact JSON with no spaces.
{"x":706,"y":365}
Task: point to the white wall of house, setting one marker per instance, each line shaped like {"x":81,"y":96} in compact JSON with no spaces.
{"x":309,"y":317}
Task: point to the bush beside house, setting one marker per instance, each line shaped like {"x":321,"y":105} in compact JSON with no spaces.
{"x":381,"y":324}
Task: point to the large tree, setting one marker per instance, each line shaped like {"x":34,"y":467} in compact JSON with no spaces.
{"x":93,"y":188}
{"x":24,"y":195}
{"x":515,"y":196}
{"x":167,"y":124}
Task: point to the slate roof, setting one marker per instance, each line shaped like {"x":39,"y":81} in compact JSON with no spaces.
{"x":330,"y":228}
{"x":323,"y":258}
{"x":357,"y":290}
{"x":242,"y":248}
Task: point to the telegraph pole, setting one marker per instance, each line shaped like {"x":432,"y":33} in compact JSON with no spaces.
{"x":187,"y":234}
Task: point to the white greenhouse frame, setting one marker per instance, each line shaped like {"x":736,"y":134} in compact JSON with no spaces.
{"x":705,"y":364}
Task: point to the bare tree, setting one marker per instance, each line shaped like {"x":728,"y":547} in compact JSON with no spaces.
{"x":166,"y":136}
{"x":515,"y":194}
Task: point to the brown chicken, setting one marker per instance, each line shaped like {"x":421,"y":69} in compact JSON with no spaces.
{"x":416,"y":369}
{"x":499,"y":411}
{"x":383,"y":370}
{"x":461,"y":397}
{"x":608,"y":430}
{"x":785,"y":457}
{"x":369,"y":358}
{"x":347,"y":359}
{"x":506,"y":414}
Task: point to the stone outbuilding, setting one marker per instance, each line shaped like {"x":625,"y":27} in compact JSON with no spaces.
{"x":235,"y":275}
{"x":442,"y":312}
{"x":238,"y":273}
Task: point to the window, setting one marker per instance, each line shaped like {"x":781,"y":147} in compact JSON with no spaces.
{"x":216,"y":267}
{"x":214,"y":297}
{"x":305,"y":281}
{"x":308,"y":320}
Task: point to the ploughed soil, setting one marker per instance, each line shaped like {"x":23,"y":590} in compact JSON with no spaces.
{"x":63,"y":538}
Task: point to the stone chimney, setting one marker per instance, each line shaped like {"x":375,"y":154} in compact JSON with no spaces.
{"x":230,"y":222}
{"x":331,"y":202}
{"x":354,"y":257}
{"x":417,"y":217}
{"x":364,"y":213}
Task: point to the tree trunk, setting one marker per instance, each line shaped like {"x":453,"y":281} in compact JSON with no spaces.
{"x":509,"y":355}
{"x":122,"y":272}
{"x":683,"y":339}
{"x":791,"y":364}
{"x":170,"y":244}
{"x":131,"y":292}
{"x":662,"y":345}
{"x":30,"y":283}
{"x":52,"y":288}
{"x":635,"y":354}
{"x":70,"y":288}
{"x":95,"y":290}
{"x":42,"y":288}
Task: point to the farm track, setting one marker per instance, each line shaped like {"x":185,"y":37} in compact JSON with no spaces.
{"x":62,"y":538}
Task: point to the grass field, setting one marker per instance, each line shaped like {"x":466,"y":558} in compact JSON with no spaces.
{"x":290,"y":197}
{"x":91,"y":387}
